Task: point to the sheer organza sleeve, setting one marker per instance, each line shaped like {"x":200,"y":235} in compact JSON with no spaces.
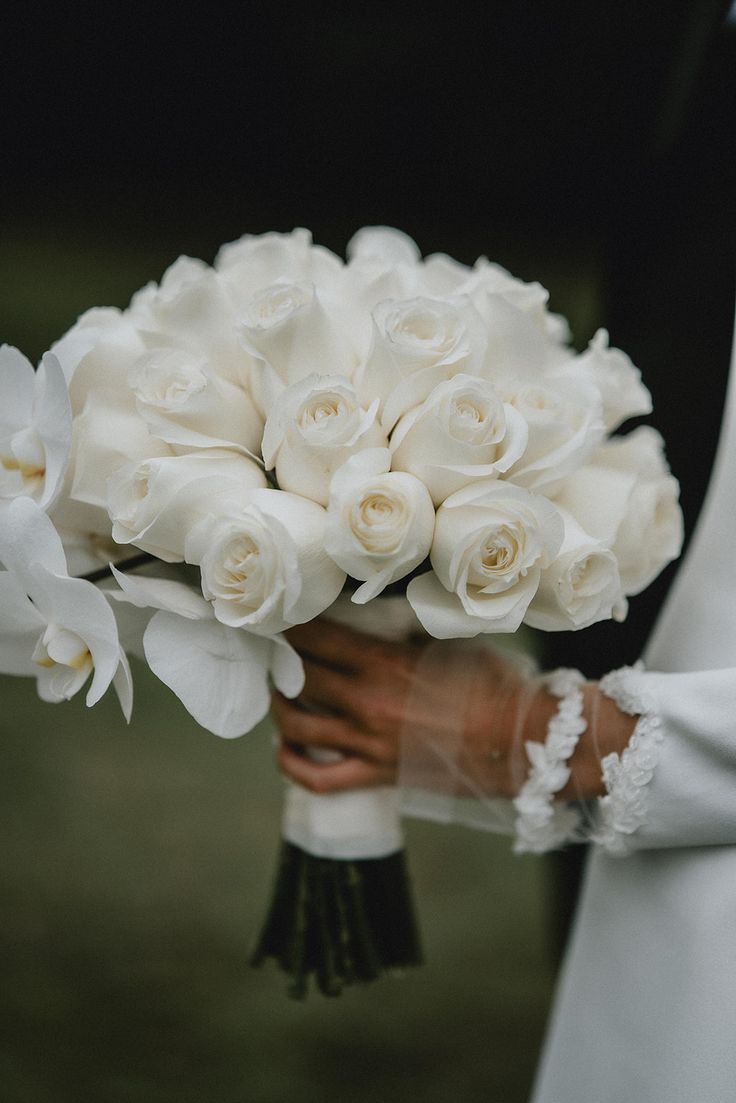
{"x":482,"y":770}
{"x":673,"y":784}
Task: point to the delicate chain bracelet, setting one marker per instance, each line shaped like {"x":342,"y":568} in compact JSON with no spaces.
{"x":541,"y":824}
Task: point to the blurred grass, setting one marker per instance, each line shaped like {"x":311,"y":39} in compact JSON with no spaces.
{"x":136,"y":863}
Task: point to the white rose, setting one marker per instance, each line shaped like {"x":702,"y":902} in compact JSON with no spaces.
{"x":522,"y":343}
{"x":580,"y":587}
{"x":383,"y":264}
{"x":107,"y":431}
{"x":102,"y":371}
{"x":487,"y":276}
{"x":524,"y":331}
{"x":264,"y":567}
{"x":191,"y":309}
{"x":462,"y":432}
{"x":423,"y":332}
{"x":155,"y":504}
{"x":629,"y":500}
{"x":184,"y":273}
{"x":106,"y":438}
{"x":85,"y":528}
{"x":100,"y":325}
{"x":256,"y":261}
{"x":624,"y":395}
{"x":491,"y":543}
{"x":312,"y":429}
{"x":155,"y":306}
{"x":379,"y":522}
{"x":386,"y":264}
{"x":564,"y":416}
{"x":443,"y":276}
{"x":291,"y":334}
{"x":183,"y":403}
{"x":417,"y":344}
{"x":550,"y":332}
{"x":382,"y":245}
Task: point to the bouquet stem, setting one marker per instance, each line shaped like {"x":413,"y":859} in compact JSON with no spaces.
{"x":342,"y":910}
{"x":339,"y":921}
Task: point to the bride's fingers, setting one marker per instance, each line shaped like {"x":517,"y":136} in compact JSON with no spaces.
{"x":313,"y":729}
{"x":332,"y":777}
{"x":336,"y":690}
{"x":328,"y":642}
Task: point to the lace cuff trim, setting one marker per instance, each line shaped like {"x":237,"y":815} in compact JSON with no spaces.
{"x":624,"y":807}
{"x":541,"y":824}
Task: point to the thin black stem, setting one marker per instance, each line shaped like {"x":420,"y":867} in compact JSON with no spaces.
{"x":124,"y":565}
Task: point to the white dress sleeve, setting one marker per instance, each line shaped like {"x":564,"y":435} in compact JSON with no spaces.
{"x":675,"y":784}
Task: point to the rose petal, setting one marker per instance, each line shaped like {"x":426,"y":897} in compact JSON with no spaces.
{"x":443,"y":616}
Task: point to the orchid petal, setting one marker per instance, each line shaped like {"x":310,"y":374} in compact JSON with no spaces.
{"x":123,"y":685}
{"x":21,"y":624}
{"x":78,"y":606}
{"x":17,"y":379}
{"x":161,"y":593}
{"x":28,"y":536}
{"x":131,"y":620}
{"x":220,"y":674}
{"x":53,"y":422}
{"x":287,"y":668}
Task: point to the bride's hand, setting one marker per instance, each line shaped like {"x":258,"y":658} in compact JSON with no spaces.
{"x":362,"y":694}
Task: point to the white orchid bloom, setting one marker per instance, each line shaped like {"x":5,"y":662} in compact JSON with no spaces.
{"x":60,"y":629}
{"x":220,"y":674}
{"x":35,"y":427}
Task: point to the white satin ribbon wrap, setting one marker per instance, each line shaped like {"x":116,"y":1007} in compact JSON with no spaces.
{"x":360,"y":824}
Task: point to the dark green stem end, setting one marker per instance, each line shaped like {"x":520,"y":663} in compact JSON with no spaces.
{"x":341,"y":922}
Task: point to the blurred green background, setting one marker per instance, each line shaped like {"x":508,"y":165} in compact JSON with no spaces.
{"x":137,"y":864}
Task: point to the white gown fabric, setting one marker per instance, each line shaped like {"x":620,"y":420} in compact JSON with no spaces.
{"x":646,"y":1006}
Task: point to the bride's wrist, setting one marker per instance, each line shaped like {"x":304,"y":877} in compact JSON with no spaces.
{"x":607,"y":730}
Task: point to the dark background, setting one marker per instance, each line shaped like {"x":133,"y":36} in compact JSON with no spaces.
{"x":587,"y":145}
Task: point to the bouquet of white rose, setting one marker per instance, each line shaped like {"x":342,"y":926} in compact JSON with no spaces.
{"x":269,"y":432}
